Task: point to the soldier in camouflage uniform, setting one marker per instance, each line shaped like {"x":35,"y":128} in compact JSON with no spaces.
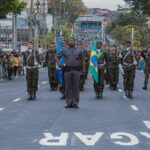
{"x":51,"y":65}
{"x":107,"y":73}
{"x":83,"y":77}
{"x":99,"y":87}
{"x":147,"y":68}
{"x":127,"y":59}
{"x":113,"y":67}
{"x":31,"y":61}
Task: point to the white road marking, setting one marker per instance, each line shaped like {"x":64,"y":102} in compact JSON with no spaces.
{"x":125,"y":97}
{"x":120,"y":90}
{"x":147,"y":123}
{"x":39,"y":86}
{"x":134,"y":107}
{"x":1,"y":109}
{"x":16,"y":100}
{"x":44,"y":82}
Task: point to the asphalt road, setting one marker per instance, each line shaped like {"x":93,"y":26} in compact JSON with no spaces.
{"x":114,"y":123}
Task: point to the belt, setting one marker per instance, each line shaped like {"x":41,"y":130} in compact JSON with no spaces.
{"x":31,"y":67}
{"x":125,"y":64}
{"x":73,"y":68}
{"x":100,"y":65}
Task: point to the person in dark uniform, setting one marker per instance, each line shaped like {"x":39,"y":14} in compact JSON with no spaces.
{"x":99,"y":87}
{"x":62,"y":86}
{"x":128,"y":61}
{"x":51,"y":65}
{"x":31,"y":61}
{"x":113,"y":67}
{"x":73,"y":62}
{"x":107,"y":73}
{"x":146,"y":69}
{"x":83,"y":76}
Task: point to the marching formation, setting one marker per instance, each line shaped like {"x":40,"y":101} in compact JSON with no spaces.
{"x":69,"y":66}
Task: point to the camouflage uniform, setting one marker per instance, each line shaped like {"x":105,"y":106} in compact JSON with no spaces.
{"x":99,"y":87}
{"x":84,"y":77}
{"x":107,"y":73}
{"x":31,"y":61}
{"x":114,"y":70}
{"x":147,"y":70}
{"x":51,"y":64}
{"x":127,"y":58}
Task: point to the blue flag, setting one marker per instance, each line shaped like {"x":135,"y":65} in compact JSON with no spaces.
{"x":59,"y":70}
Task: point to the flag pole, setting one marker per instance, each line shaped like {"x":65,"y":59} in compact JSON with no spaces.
{"x":132,"y":37}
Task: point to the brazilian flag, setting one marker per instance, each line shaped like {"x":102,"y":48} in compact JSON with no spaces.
{"x":93,"y":69}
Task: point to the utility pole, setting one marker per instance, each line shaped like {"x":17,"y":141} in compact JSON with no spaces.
{"x":31,"y":21}
{"x":14,"y":39}
{"x":55,"y":21}
{"x":37,"y":34}
{"x":45,"y":26}
{"x":102,"y":32}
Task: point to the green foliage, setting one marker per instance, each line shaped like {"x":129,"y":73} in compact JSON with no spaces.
{"x":10,"y":6}
{"x":131,"y":18}
{"x":124,"y":33}
{"x":121,"y":29}
{"x":73,"y":8}
{"x":141,"y":6}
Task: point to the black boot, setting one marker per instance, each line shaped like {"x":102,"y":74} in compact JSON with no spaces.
{"x":34,"y":96}
{"x":63,"y":97}
{"x":101,"y":95}
{"x":97,"y":95}
{"x":130,"y":95}
{"x":115,"y":87}
{"x":145,"y":87}
{"x":127,"y":94}
{"x":29,"y":96}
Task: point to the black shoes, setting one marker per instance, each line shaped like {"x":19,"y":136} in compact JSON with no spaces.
{"x":68,"y":106}
{"x":99,"y":95}
{"x":63,"y":97}
{"x":75,"y":106}
{"x":145,"y":87}
{"x":32,"y":96}
{"x":72,"y":106}
{"x":129,"y":94}
{"x":113,"y":87}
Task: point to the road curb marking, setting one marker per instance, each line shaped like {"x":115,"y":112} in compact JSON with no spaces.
{"x":1,"y":109}
{"x":134,"y":107}
{"x":16,"y":100}
{"x":147,"y":123}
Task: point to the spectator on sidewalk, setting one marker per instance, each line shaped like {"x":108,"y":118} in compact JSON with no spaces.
{"x":16,"y":65}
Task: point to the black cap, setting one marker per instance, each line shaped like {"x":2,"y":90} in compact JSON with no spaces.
{"x":99,"y":42}
{"x":128,"y":42}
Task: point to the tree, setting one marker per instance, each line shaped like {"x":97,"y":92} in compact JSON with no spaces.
{"x":123,"y":33}
{"x":141,"y":6}
{"x":69,"y":9}
{"x":10,"y":6}
{"x":132,"y":18}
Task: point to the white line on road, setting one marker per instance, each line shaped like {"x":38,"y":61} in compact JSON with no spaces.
{"x":147,"y":124}
{"x":16,"y":100}
{"x":120,"y":90}
{"x":125,"y":97}
{"x":134,"y":107}
{"x":1,"y":109}
{"x":44,"y":82}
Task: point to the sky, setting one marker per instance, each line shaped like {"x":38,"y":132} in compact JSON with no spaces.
{"x":109,"y":4}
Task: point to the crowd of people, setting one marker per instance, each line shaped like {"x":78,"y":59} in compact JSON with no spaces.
{"x":11,"y":65}
{"x":77,"y":59}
